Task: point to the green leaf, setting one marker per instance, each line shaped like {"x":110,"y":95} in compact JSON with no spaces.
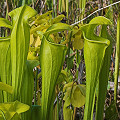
{"x":62,"y":77}
{"x":77,"y":98}
{"x":20,"y":37}
{"x":33,"y":63}
{"x":77,"y":38}
{"x":40,"y":33}
{"x":5,"y":65}
{"x":5,"y":62}
{"x":10,"y":109}
{"x":100,"y":20}
{"x":16,"y":117}
{"x":57,"y":19}
{"x":103,"y":76}
{"x":27,"y":88}
{"x":68,"y":85}
{"x":15,"y":70}
{"x":117,"y":60}
{"x":78,"y":43}
{"x":75,"y":94}
{"x":20,"y":107}
{"x":68,"y":94}
{"x":58,"y":27}
{"x":67,"y":113}
{"x":42,"y":21}
{"x":82,"y":89}
{"x":67,"y":100}
{"x":32,"y":56}
{"x":70,"y":61}
{"x":6,"y":87}
{"x":5,"y":23}
{"x":51,"y":55}
{"x":14,"y":67}
{"x":94,"y":54}
{"x":40,"y":17}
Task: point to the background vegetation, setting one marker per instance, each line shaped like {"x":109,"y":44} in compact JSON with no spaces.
{"x":73,"y":72}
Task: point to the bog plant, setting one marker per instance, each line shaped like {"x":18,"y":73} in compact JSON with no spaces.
{"x":11,"y":110}
{"x":15,"y":70}
{"x":18,"y":60}
{"x":97,"y":52}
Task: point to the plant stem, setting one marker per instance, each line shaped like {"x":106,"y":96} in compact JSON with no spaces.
{"x":35,"y":86}
{"x":67,"y":7}
{"x":7,"y":17}
{"x":74,"y":113}
{"x":69,"y":50}
{"x":117,"y":60}
{"x":57,"y":114}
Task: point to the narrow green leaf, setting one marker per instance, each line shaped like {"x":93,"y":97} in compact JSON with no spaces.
{"x":94,"y":53}
{"x":117,"y":60}
{"x":5,"y":65}
{"x":82,"y":4}
{"x":51,"y":55}
{"x":19,"y":43}
{"x":103,"y":76}
{"x":67,"y":7}
{"x":27,"y":87}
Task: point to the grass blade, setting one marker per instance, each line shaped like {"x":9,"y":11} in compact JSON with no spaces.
{"x":117,"y":59}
